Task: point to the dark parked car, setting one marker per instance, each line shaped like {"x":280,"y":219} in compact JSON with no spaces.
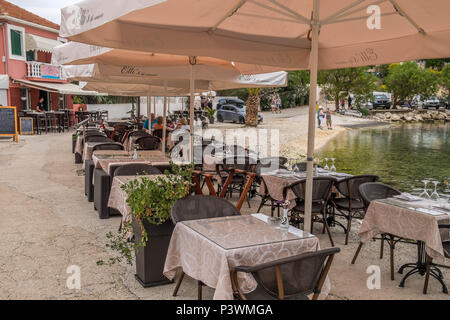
{"x":381,"y":101}
{"x":230,"y":101}
{"x":233,"y":113}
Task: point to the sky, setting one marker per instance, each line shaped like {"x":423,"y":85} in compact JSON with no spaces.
{"x":48,"y":9}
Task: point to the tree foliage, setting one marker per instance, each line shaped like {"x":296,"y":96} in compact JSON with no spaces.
{"x":338,"y":83}
{"x":407,"y":80}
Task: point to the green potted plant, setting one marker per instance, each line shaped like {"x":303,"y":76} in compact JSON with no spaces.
{"x":150,"y":201}
{"x":210,"y":112}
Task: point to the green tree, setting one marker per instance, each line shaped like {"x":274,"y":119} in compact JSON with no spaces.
{"x":338,"y":83}
{"x":436,"y":64}
{"x":445,"y":79}
{"x":407,"y":80}
{"x":363,"y":87}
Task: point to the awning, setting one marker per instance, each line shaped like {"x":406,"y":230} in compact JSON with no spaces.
{"x":62,"y":88}
{"x":34,"y":42}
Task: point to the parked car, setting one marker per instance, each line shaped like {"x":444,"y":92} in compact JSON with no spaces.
{"x":233,"y":113}
{"x":431,"y":102}
{"x":230,"y":101}
{"x":381,"y":101}
{"x":445,"y":102}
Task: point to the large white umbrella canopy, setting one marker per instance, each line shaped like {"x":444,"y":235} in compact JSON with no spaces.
{"x":266,"y":32}
{"x":101,"y":73}
{"x":312,"y":34}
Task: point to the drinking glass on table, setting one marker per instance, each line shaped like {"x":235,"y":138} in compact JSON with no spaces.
{"x":425,"y":193}
{"x":435,"y":195}
{"x":326,"y":164}
{"x":333,"y":167}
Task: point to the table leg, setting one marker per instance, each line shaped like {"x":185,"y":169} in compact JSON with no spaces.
{"x":421,"y":267}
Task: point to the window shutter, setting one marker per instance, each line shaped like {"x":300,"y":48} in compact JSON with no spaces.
{"x":16,"y":42}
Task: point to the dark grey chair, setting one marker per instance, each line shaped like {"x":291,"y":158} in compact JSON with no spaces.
{"x":292,"y":278}
{"x":200,"y":207}
{"x":88,"y":174}
{"x":108,"y":146}
{"x":148,"y":143}
{"x":351,"y":205}
{"x":135,"y":169}
{"x":321,"y":192}
{"x":98,"y":139}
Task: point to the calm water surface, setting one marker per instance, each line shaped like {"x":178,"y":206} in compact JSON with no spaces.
{"x":402,"y":156}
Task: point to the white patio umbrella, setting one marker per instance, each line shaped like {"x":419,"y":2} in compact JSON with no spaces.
{"x":157,"y":68}
{"x":281,"y":33}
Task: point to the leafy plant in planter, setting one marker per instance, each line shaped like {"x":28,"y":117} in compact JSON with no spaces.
{"x":210,"y":112}
{"x":150,"y":201}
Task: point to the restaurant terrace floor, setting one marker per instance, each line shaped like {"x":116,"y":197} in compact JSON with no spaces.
{"x":47,"y":225}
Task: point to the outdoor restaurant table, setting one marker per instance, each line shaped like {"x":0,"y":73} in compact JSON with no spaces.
{"x":207,"y":249}
{"x":277,"y":180}
{"x":153,"y":157}
{"x":88,"y":149}
{"x":118,"y":197}
{"x":414,"y":220}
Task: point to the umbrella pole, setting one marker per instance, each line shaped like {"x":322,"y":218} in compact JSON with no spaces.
{"x":312,"y":115}
{"x":149,"y":105}
{"x":164,"y":118}
{"x":191,"y":108}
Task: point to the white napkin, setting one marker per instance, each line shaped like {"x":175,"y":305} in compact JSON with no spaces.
{"x":408,"y":197}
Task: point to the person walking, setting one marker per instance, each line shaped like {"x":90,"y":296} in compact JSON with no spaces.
{"x":350,"y":101}
{"x":278,"y":103}
{"x":343,"y":103}
{"x":273,"y":104}
{"x":328,"y":118}
{"x":321,"y":118}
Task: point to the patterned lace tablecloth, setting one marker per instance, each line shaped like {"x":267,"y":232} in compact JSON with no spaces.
{"x":89,"y":150}
{"x":207,"y":249}
{"x":409,"y":220}
{"x":118,"y":197}
{"x":274,"y":183}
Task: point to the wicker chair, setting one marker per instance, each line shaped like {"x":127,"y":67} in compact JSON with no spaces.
{"x":373,"y":191}
{"x":135,"y":169}
{"x":108,"y":146}
{"x":229,"y":165}
{"x":200,"y":207}
{"x":292,"y":278}
{"x":321,"y":192}
{"x":351,"y":205}
{"x":148,"y":143}
{"x":431,"y":265}
{"x":98,"y":139}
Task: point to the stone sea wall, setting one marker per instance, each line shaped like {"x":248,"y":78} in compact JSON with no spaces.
{"x":413,"y":116}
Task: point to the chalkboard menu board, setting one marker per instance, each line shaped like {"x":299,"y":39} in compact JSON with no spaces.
{"x":26,"y":125}
{"x":8,"y":121}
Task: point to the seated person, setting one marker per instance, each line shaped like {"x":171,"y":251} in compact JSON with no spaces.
{"x":159,"y":124}
{"x":148,"y":124}
{"x":40,"y":105}
{"x":184,"y":125}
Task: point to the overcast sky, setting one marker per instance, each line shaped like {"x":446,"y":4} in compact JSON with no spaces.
{"x":48,"y":9}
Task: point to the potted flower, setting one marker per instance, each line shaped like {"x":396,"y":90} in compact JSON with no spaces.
{"x":151,"y":201}
{"x":210,"y":112}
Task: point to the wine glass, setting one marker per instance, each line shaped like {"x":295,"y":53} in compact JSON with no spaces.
{"x":425,"y":193}
{"x":435,"y":195}
{"x":333,"y":167}
{"x":326,"y":164}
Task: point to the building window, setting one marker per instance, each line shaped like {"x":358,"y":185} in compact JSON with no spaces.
{"x":16,"y":42}
{"x":31,"y":55}
{"x":25,"y":99}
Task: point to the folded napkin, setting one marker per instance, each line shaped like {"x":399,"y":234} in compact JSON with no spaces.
{"x":408,"y":197}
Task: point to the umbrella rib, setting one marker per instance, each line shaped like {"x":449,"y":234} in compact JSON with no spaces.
{"x":338,"y":13}
{"x":267,"y":17}
{"x":357,"y":10}
{"x":286,"y":14}
{"x":228,"y":15}
{"x":360,"y":18}
{"x":289,"y":10}
{"x":405,"y":15}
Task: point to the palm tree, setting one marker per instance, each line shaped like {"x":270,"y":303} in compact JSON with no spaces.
{"x":252,"y":107}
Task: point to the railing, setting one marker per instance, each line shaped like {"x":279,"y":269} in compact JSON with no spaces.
{"x":37,"y":69}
